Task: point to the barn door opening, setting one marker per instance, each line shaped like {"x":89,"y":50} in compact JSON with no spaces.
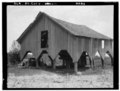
{"x":28,"y":60}
{"x":63,"y":60}
{"x":84,"y":60}
{"x":44,"y":39}
{"x":44,"y":59}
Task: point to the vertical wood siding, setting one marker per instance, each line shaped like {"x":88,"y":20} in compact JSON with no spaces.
{"x":59,"y":39}
{"x":32,"y":40}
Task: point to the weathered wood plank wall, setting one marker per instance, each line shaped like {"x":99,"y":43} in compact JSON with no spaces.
{"x":32,"y":41}
{"x":60,"y":39}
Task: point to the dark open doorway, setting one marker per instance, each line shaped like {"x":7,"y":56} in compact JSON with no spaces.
{"x":44,"y":59}
{"x":67,"y":61}
{"x":84,"y":60}
{"x":28,"y":60}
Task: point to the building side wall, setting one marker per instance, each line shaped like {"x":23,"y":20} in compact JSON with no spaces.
{"x":59,"y":39}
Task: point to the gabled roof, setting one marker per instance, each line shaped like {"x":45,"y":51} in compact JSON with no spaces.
{"x":76,"y":30}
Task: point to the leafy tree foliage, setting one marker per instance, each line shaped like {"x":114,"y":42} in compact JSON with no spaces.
{"x":14,"y":55}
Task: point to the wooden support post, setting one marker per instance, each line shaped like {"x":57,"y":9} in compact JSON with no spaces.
{"x":102,"y":60}
{"x":54,"y":67}
{"x":102,"y":54}
{"x":93,"y":63}
{"x":90,"y":61}
{"x":37,"y":66}
{"x":112,"y":59}
{"x":76,"y":67}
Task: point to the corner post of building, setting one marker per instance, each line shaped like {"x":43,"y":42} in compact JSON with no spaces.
{"x":76,"y":55}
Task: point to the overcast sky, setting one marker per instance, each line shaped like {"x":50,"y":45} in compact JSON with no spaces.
{"x":99,"y":18}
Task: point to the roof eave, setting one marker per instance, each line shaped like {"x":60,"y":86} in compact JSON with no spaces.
{"x":28,"y":28}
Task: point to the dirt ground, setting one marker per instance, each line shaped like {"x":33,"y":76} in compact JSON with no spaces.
{"x":49,"y":78}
